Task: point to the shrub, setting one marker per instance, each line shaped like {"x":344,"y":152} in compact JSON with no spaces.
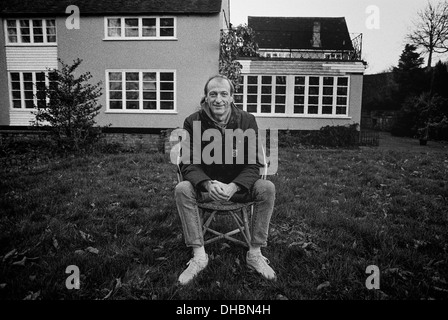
{"x":69,"y":107}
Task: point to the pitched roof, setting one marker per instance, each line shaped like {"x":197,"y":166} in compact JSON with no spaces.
{"x":297,"y":32}
{"x":95,"y":7}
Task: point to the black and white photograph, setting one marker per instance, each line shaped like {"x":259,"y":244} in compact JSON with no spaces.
{"x":220,"y":158}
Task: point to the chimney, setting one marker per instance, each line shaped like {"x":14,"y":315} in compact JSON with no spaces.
{"x":316,"y":35}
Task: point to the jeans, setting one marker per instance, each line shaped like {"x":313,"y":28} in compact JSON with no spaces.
{"x":262,"y":194}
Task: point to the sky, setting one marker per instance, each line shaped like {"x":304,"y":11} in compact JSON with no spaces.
{"x":383,"y":23}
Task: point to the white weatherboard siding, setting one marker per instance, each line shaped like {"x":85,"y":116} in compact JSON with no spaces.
{"x":32,"y":58}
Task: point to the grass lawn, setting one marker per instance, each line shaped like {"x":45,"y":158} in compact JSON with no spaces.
{"x":336,"y":213}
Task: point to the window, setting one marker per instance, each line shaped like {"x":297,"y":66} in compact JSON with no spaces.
{"x":31,"y":31}
{"x":27,"y":89}
{"x":131,"y":28}
{"x":149,"y":91}
{"x":307,"y":95}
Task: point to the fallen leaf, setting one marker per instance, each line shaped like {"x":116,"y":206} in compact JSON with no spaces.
{"x":2,"y":285}
{"x":20,"y":263}
{"x":92,"y":250}
{"x":55,"y":243}
{"x":323,"y":285}
{"x":281,"y":297}
{"x":9,"y":254}
{"x":32,"y":278}
{"x":79,"y":251}
{"x":32,"y":295}
{"x":225,"y":246}
{"x":162,"y":258}
{"x":86,"y":236}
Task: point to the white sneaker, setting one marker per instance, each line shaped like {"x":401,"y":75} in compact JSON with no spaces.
{"x":195,"y":265}
{"x":260,"y":263}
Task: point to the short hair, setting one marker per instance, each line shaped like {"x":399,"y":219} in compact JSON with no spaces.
{"x":222,"y":77}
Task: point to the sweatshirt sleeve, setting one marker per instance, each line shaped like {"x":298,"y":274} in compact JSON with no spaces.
{"x":191,"y":172}
{"x":251,"y":172}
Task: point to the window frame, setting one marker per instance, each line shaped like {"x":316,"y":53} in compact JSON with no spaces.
{"x":140,"y":28}
{"x":22,"y":88}
{"x":158,"y":110}
{"x":291,"y":95}
{"x":32,"y":42}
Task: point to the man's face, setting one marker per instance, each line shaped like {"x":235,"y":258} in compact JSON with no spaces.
{"x":219,"y":98}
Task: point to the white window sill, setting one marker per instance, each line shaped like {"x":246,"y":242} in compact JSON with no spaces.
{"x":284,"y":115}
{"x":31,"y":45}
{"x":140,"y":112}
{"x":140,"y":39}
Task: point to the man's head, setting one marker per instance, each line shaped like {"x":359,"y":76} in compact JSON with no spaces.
{"x":219,"y":96}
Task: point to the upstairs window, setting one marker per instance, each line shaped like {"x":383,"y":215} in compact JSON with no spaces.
{"x":132,"y":28}
{"x":31,"y":31}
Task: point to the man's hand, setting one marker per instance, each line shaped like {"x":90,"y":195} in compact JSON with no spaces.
{"x":220,"y":191}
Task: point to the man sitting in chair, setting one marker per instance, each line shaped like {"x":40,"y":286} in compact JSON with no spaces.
{"x":223,"y":181}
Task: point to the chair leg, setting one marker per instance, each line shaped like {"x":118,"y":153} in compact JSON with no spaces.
{"x":241,"y":227}
{"x":246,"y":225}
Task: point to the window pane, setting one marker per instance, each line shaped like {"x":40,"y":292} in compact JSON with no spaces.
{"x":279,"y":109}
{"x":116,"y":23}
{"x":114,"y":32}
{"x":266,"y":99}
{"x":149,"y":105}
{"x":151,"y":86}
{"x":149,"y":76}
{"x":166,"y":22}
{"x":300,"y":80}
{"x":313,"y":100}
{"x":252,"y":108}
{"x":132,"y":76}
{"x":26,"y":39}
{"x":280,"y":99}
{"x":15,"y":76}
{"x":16,"y":94}
{"x":27,"y":76}
{"x":149,"y":95}
{"x":51,"y":23}
{"x":312,"y":109}
{"x":149,"y":32}
{"x":115,"y":86}
{"x":15,"y":85}
{"x":37,"y":23}
{"x":38,"y":39}
{"x":29,"y":104}
{"x":299,"y":109}
{"x":313,"y":90}
{"x":11,"y":23}
{"x":252,"y":80}
{"x":327,"y":110}
{"x":166,"y":96}
{"x":116,"y":95}
{"x":132,"y":95}
{"x":281,"y":80}
{"x":165,"y":105}
{"x":280,"y":90}
{"x":115,"y":75}
{"x":28,"y":86}
{"x":132,"y":105}
{"x":167,"y":86}
{"x":252,"y":89}
{"x":266,"y":80}
{"x":24,"y":23}
{"x":166,"y":32}
{"x":17,"y":104}
{"x":327,"y":100}
{"x":342,"y":81}
{"x":299,"y":90}
{"x":166,"y":76}
{"x":131,"y":22}
{"x":251,"y":99}
{"x":116,"y":105}
{"x":328,"y":91}
{"x":341,"y":101}
{"x":132,"y":86}
{"x":341,"y":110}
{"x":29,"y":95}
{"x":131,"y":32}
{"x":265,"y":109}
{"x":328,"y":81}
{"x":299,"y":100}
{"x":314,"y":80}
{"x":12,"y":39}
{"x":342,"y":91}
{"x":266,"y":89}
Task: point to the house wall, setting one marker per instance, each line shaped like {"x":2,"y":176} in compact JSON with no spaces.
{"x":4,"y":96}
{"x":354,"y":70}
{"x":194,"y":56}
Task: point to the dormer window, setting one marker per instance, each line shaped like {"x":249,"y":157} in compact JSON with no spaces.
{"x":31,"y":31}
{"x":140,"y":28}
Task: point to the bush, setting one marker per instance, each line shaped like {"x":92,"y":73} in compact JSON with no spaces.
{"x":328,"y":136}
{"x":69,"y":107}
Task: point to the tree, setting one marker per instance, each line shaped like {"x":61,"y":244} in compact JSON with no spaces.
{"x":431,"y":30}
{"x":69,"y":107}
{"x":236,"y":43}
{"x":409,"y":76}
